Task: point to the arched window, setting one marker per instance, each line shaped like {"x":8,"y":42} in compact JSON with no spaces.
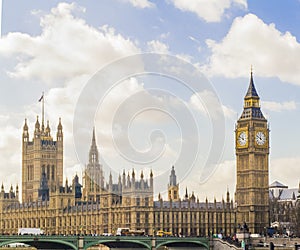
{"x":48,"y":172}
{"x":53,"y":173}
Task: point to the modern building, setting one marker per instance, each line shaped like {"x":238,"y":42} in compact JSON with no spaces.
{"x":98,"y":206}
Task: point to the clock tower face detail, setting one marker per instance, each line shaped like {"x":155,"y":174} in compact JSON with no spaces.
{"x":252,"y":163}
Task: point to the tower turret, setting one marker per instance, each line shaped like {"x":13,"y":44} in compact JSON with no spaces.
{"x":93,"y":174}
{"x":186,"y":196}
{"x":48,"y":130}
{"x":128,"y":181}
{"x":40,"y":156}
{"x":77,"y":187}
{"x":25,"y":132}
{"x":173,"y":187}
{"x":227,"y":196}
{"x":151,"y":180}
{"x":59,"y":134}
{"x":133,"y":179}
{"x":93,"y":155}
{"x":110,"y":183}
{"x":252,"y":160}
{"x":37,"y":131}
{"x":17,"y":192}
{"x":124,"y":179}
{"x":142,"y":180}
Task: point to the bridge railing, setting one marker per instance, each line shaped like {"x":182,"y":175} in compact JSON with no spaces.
{"x":83,"y":242}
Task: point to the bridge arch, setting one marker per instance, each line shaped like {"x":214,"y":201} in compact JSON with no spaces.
{"x":172,"y":242}
{"x":106,"y":242}
{"x":32,"y":241}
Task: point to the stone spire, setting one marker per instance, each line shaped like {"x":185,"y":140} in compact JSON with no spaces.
{"x":48,"y":130}
{"x":25,"y":132}
{"x":251,"y":89}
{"x":227,"y":196}
{"x":93,"y":155}
{"x":59,"y":134}
{"x":186,"y":196}
{"x":251,"y":103}
{"x":173,"y":181}
{"x":37,"y":130}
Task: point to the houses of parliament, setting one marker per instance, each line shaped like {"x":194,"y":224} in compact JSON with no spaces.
{"x":98,"y":206}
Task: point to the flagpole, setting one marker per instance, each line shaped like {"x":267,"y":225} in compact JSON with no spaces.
{"x":43,"y":112}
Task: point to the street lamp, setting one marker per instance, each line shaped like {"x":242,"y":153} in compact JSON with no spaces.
{"x":243,"y":236}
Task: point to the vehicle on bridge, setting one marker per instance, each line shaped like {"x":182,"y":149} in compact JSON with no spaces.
{"x":128,"y":232}
{"x":162,"y":233}
{"x":30,"y":231}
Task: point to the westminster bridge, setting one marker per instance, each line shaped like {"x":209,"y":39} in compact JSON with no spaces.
{"x":84,"y":242}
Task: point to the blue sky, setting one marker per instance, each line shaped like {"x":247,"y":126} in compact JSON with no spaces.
{"x":57,"y":46}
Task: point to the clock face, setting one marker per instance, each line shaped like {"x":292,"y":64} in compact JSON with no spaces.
{"x":260,"y":138}
{"x":242,"y":138}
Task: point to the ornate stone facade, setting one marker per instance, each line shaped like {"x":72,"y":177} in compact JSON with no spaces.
{"x":252,"y":163}
{"x":41,"y":157}
{"x":101,"y":207}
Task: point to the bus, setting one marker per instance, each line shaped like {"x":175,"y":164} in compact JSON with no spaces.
{"x":30,"y":231}
{"x":128,"y":232}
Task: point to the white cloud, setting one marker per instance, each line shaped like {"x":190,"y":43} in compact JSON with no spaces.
{"x":194,"y":39}
{"x":158,"y":47}
{"x":229,"y":112}
{"x":284,"y":170}
{"x":142,"y":4}
{"x":224,"y":177}
{"x":202,"y":100}
{"x":216,"y":185}
{"x":164,"y":35}
{"x":66,"y":48}
{"x":209,"y":10}
{"x":279,"y":106}
{"x":250,"y":41}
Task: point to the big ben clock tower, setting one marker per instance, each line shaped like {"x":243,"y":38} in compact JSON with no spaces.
{"x":252,"y":163}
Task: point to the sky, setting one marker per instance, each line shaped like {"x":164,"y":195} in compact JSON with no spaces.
{"x":162,"y":82}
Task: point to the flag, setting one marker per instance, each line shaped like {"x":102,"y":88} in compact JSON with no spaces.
{"x":42,"y":97}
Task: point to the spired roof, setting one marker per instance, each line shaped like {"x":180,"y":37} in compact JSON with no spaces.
{"x":277,"y":184}
{"x":251,"y":89}
{"x":251,"y":103}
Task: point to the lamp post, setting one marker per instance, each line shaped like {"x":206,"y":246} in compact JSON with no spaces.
{"x":244,"y":236}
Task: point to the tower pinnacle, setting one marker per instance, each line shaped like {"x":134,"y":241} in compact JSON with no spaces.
{"x":93,"y":156}
{"x":251,"y":89}
{"x":251,"y":103}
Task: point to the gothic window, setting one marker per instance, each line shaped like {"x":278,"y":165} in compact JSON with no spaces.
{"x":93,"y":158}
{"x":138,"y":201}
{"x":53,"y":173}
{"x":48,"y":172}
{"x":28,"y":173}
